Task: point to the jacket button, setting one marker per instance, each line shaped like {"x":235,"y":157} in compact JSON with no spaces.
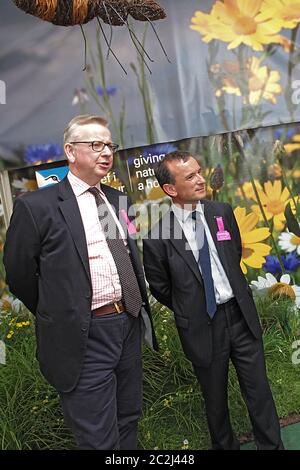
{"x":83,"y":328}
{"x":209,"y":322}
{"x":87,"y":296}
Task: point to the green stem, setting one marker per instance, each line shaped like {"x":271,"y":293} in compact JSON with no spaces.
{"x":290,"y":105}
{"x":144,"y":91}
{"x":285,"y":180}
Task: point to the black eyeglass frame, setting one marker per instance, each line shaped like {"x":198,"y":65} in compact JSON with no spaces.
{"x":112,"y":147}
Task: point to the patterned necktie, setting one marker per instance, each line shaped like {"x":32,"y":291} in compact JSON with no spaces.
{"x":130,"y":288}
{"x":205,"y":264}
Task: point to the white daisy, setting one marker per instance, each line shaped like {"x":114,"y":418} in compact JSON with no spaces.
{"x":289,"y":242}
{"x":277,"y":289}
{"x":24,"y":185}
{"x":10,"y":304}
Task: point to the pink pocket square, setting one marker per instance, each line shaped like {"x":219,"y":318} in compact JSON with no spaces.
{"x":130,"y":227}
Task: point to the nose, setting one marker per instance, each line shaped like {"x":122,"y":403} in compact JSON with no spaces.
{"x":201,"y":178}
{"x":107,"y":150}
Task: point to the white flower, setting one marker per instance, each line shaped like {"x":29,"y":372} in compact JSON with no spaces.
{"x":25,"y":185}
{"x":6,"y":303}
{"x":80,"y":96}
{"x":9,"y":304}
{"x":2,"y":352}
{"x":289,"y":242}
{"x":275,"y":289}
{"x":16,"y":306}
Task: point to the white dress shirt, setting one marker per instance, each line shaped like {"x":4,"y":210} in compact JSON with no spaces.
{"x":223,"y":290}
{"x":104,"y":275}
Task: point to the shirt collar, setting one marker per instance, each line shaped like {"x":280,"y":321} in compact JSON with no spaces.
{"x":79,"y":186}
{"x":183,"y":214}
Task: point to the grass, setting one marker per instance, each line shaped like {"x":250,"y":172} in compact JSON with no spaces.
{"x":173,"y":415}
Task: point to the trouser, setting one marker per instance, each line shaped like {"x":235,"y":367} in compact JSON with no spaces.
{"x":103,"y":409}
{"x":233,"y":340}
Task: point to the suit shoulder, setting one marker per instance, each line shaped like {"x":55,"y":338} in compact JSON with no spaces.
{"x":109,"y":189}
{"x":41,"y":194}
{"x":112,"y":191}
{"x":218,"y":206}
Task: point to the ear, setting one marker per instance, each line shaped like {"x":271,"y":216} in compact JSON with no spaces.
{"x":169,"y":189}
{"x":69,"y":151}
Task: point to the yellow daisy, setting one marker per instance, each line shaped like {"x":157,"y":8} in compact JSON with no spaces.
{"x":253,"y":251}
{"x":273,"y":199}
{"x":238,"y":22}
{"x":204,"y":24}
{"x":288,"y":11}
{"x":156,"y":193}
{"x":262,"y":82}
{"x":247,"y":189}
{"x":289,"y":148}
{"x":296,"y":174}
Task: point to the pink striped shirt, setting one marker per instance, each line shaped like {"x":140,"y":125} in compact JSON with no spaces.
{"x":105,"y":279}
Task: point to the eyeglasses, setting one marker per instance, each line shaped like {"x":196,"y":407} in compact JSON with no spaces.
{"x":98,"y":146}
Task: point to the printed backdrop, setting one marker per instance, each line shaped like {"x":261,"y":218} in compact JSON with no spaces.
{"x":234,"y":65}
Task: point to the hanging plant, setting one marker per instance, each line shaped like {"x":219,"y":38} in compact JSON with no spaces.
{"x":145,"y":10}
{"x":72,"y":12}
{"x":112,"y":12}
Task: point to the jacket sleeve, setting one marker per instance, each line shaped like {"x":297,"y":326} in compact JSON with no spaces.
{"x":21,"y":254}
{"x":157,"y":271}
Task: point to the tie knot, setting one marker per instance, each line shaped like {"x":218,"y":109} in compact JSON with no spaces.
{"x":194,"y":215}
{"x":96,"y":193}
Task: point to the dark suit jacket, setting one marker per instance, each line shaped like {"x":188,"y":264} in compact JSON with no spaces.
{"x":47,"y":268}
{"x":175,"y":279}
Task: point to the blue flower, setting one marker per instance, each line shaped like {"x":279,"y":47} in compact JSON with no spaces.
{"x":110,"y":90}
{"x":42,"y":153}
{"x":290,"y":263}
{"x":287,"y":133}
{"x":159,"y":149}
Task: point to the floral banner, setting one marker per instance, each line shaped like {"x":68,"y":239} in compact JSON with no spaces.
{"x":210,"y":67}
{"x":257,"y":172}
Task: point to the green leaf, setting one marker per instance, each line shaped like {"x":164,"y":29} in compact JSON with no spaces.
{"x":292,"y":223}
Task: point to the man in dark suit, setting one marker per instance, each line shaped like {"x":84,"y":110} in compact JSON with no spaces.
{"x":192,"y":263}
{"x":69,"y":258}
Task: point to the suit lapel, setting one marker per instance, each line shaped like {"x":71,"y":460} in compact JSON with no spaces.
{"x":71,"y":213}
{"x":172,"y":230}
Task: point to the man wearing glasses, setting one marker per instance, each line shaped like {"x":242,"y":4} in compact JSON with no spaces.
{"x":70,"y":259}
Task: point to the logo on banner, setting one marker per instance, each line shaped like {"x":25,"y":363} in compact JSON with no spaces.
{"x":50,"y":176}
{"x":2,"y":92}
